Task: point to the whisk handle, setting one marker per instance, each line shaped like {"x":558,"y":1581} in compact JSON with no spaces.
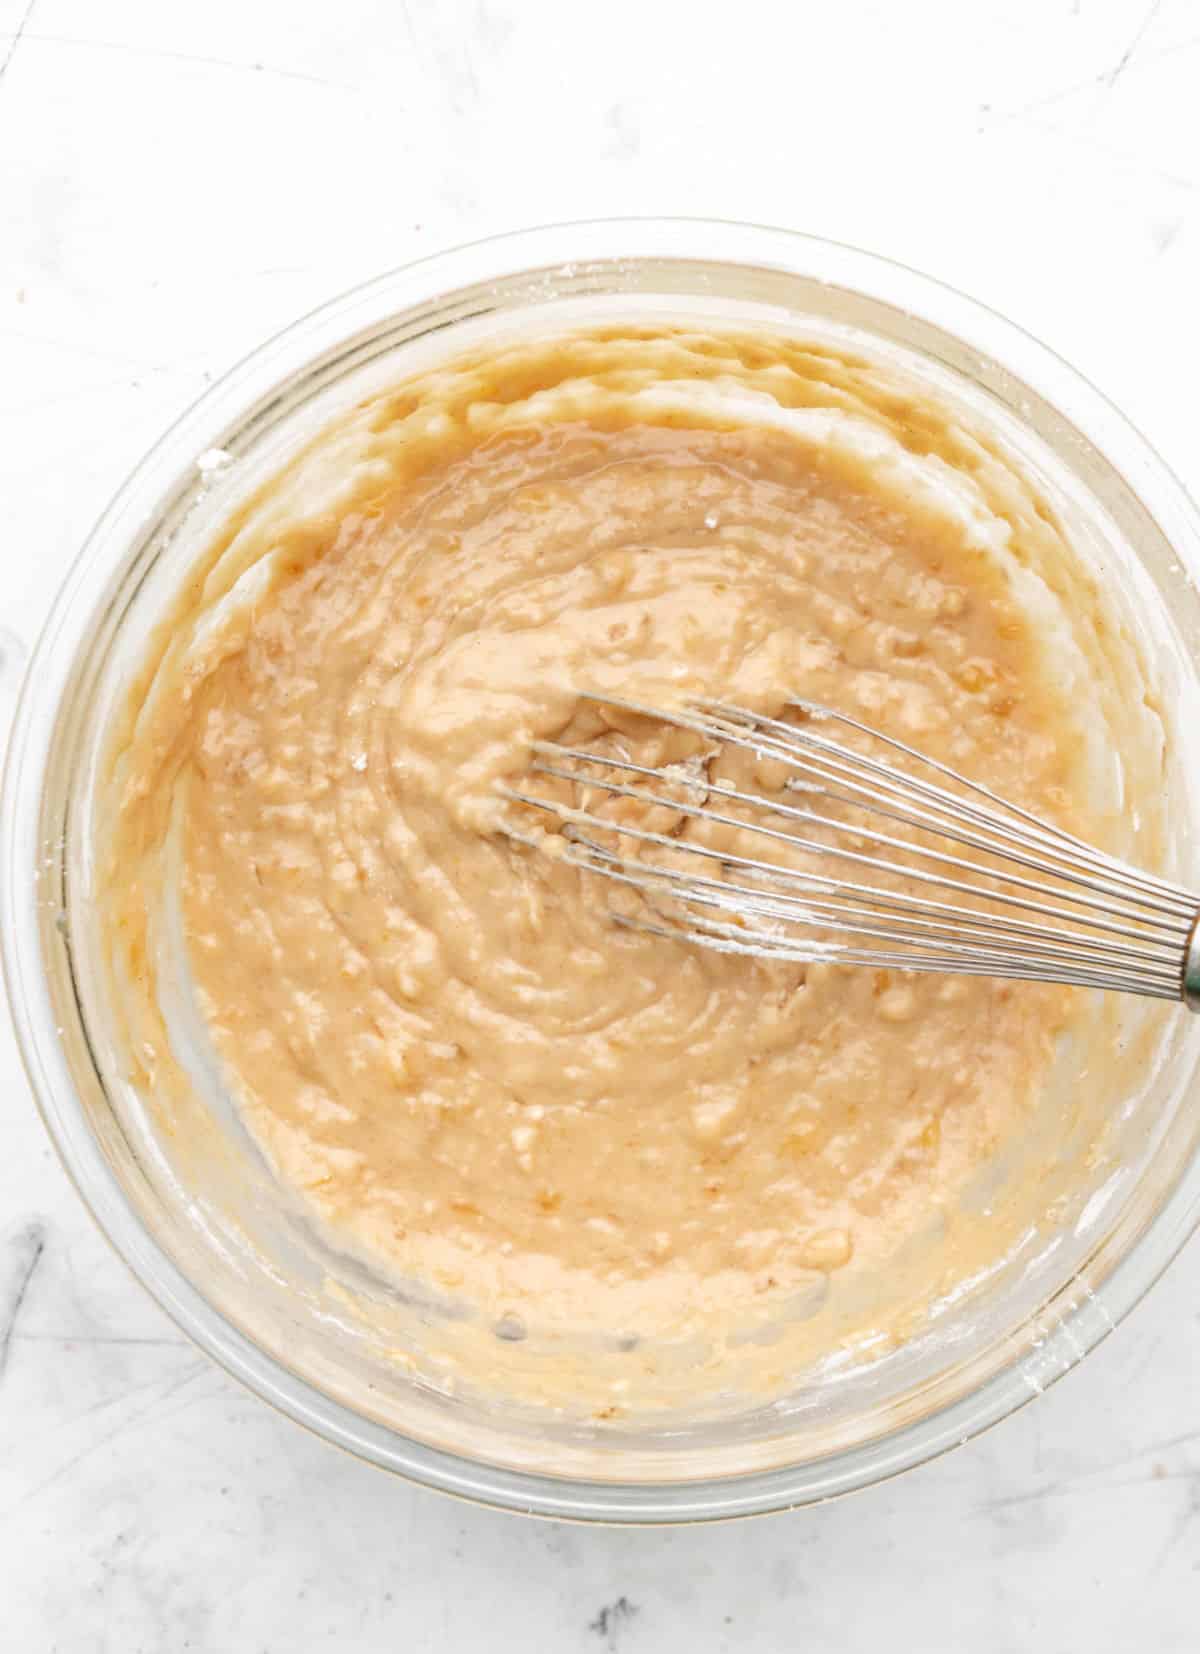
{"x":1191,"y":969}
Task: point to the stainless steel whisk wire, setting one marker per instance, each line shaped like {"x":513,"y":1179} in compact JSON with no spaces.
{"x":1097,"y":921}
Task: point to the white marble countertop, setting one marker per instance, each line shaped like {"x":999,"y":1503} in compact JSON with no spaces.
{"x":177,"y":181}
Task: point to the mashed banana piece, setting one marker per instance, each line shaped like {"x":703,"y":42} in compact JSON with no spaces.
{"x":440,"y":1037}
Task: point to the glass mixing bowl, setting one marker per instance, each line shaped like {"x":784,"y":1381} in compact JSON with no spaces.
{"x":220,"y":1246}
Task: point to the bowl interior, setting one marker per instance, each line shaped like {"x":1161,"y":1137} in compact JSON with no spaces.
{"x":201,"y":1217}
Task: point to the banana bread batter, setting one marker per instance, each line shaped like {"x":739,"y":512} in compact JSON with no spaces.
{"x":438,"y":1035}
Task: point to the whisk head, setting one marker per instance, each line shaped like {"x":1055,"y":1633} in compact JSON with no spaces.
{"x":866,"y":852}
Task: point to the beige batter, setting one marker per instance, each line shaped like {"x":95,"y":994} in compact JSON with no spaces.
{"x":439,"y":1036}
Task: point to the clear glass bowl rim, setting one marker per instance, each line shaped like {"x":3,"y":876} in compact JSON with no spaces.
{"x":1068,"y":1336}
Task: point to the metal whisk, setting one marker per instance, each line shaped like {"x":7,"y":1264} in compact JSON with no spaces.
{"x":984,"y":888}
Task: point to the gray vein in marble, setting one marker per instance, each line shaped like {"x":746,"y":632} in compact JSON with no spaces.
{"x":88,"y":1340}
{"x":89,"y":351}
{"x":128,"y":49}
{"x":23,"y":1254}
{"x":199,"y":1368}
{"x":1182,"y":1523}
{"x":612,"y":1621}
{"x":1145,"y":60}
{"x":1130,"y":52}
{"x":18,"y":36}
